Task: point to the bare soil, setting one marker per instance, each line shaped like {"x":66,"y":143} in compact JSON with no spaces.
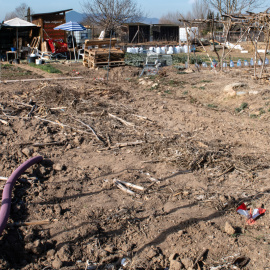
{"x":197,"y":152}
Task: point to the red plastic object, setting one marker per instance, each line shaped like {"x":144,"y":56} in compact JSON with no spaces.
{"x":57,"y":46}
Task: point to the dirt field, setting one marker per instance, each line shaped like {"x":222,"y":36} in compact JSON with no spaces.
{"x":198,"y":152}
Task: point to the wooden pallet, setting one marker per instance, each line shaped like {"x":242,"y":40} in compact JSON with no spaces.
{"x":99,"y":57}
{"x":34,"y":44}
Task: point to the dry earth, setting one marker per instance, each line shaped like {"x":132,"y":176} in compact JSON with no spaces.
{"x":198,"y":152}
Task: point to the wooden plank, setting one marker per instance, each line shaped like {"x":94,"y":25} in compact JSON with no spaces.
{"x":97,"y":42}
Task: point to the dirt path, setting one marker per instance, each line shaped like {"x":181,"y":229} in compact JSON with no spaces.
{"x":196,"y":157}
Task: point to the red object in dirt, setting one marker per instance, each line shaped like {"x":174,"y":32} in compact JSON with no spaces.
{"x":57,"y":46}
{"x":251,"y":216}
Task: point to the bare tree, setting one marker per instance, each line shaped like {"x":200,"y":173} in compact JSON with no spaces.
{"x":110,"y":14}
{"x":200,"y":9}
{"x":234,"y":6}
{"x":20,"y":12}
{"x":170,"y":18}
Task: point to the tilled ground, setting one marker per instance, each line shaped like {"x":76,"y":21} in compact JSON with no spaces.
{"x":197,"y":152}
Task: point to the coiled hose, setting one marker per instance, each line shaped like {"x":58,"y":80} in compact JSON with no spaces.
{"x":6,"y":196}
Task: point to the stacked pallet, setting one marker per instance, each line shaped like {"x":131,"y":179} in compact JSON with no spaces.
{"x":99,"y":55}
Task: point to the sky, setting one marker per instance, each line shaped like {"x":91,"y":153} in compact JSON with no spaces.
{"x":153,"y":8}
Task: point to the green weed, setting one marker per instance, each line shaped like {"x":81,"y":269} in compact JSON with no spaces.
{"x":48,"y":68}
{"x":212,"y":106}
{"x":243,"y":106}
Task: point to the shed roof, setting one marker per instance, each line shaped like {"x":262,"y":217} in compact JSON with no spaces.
{"x":55,"y":12}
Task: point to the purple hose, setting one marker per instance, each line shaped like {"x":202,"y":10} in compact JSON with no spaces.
{"x":6,"y":196}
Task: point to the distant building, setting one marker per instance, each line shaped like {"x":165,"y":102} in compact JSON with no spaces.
{"x":47,"y":23}
{"x":140,"y":32}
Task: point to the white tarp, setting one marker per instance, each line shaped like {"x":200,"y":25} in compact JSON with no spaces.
{"x":17,"y":22}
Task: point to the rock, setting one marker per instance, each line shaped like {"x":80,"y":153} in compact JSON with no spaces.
{"x":231,"y":89}
{"x":151,"y":253}
{"x":187,"y":262}
{"x":173,"y":256}
{"x":69,"y":146}
{"x":57,"y":264}
{"x":58,"y":167}
{"x":189,"y":70}
{"x":229,"y":228}
{"x":50,"y":253}
{"x":57,"y":209}
{"x":78,"y":140}
{"x":109,"y":248}
{"x":27,"y":151}
{"x":176,"y":265}
{"x":36,"y":247}
{"x":64,"y":253}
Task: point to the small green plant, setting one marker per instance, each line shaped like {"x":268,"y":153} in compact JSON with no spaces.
{"x":186,"y":92}
{"x":243,"y":106}
{"x":206,"y":81}
{"x":253,"y":116}
{"x":172,"y":83}
{"x":202,"y":87}
{"x":48,"y":68}
{"x":212,"y":106}
{"x":181,"y":72}
{"x":167,"y":92}
{"x":261,"y":111}
{"x":192,"y":100}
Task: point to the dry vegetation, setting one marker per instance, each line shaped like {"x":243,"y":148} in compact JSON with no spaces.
{"x":196,"y":151}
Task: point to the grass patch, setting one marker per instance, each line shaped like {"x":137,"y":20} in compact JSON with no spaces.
{"x":202,"y":88}
{"x":167,"y":91}
{"x":206,"y":81}
{"x":212,"y":106}
{"x":48,"y":68}
{"x":186,"y":92}
{"x":243,"y":106}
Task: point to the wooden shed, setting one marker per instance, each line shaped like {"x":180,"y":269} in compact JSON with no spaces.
{"x":165,"y":32}
{"x":136,"y":32}
{"x":47,"y":23}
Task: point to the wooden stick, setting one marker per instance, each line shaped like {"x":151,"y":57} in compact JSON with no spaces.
{"x":226,"y":171}
{"x":130,"y":184}
{"x":143,"y":117}
{"x":4,"y":122}
{"x":154,"y":180}
{"x":93,"y":131}
{"x":199,"y":257}
{"x":120,"y":186}
{"x":58,"y":108}
{"x":61,"y":125}
{"x":119,"y":145}
{"x":47,"y":144}
{"x":264,"y":57}
{"x":2,"y":178}
{"x":42,"y":79}
{"x":29,"y":223}
{"x":121,"y":120}
{"x":236,"y":43}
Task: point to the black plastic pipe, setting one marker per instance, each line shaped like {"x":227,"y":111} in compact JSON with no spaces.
{"x":6,"y":196}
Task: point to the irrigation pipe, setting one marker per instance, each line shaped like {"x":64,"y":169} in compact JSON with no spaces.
{"x":6,"y":196}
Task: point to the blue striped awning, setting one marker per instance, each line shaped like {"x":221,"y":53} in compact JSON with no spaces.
{"x":70,"y":26}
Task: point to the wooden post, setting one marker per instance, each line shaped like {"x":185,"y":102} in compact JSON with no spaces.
{"x":223,"y":49}
{"x":187,"y":45}
{"x":266,"y":47}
